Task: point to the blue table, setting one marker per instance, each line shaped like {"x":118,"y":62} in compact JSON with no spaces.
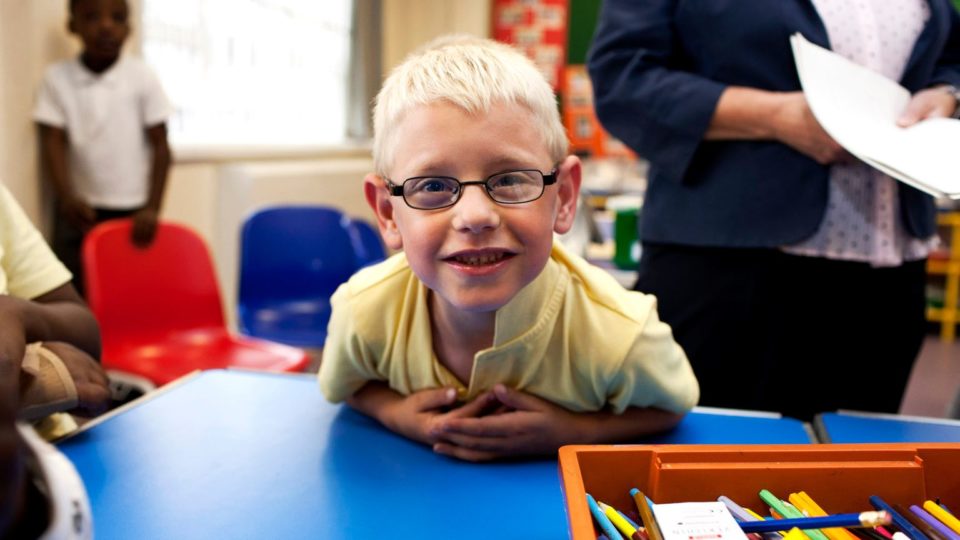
{"x":232,"y":454}
{"x":853,"y":427}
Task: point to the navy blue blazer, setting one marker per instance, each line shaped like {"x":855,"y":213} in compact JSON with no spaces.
{"x":658,"y":68}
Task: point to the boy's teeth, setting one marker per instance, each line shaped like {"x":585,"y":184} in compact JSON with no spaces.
{"x":480,"y":259}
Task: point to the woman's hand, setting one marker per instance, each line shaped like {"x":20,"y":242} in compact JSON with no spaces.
{"x":795,"y":126}
{"x":929,"y":103}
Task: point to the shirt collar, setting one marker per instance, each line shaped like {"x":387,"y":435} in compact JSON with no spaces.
{"x":82,"y":75}
{"x":532,"y":306}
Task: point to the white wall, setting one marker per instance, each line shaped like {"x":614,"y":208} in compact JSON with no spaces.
{"x":32,"y":34}
{"x":407,"y":24}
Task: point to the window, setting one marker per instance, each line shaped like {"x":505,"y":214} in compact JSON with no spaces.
{"x":252,"y":72}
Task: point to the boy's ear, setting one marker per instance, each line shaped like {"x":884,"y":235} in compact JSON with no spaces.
{"x":568,"y":193}
{"x":380,"y":201}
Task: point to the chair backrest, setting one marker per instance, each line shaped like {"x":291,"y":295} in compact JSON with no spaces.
{"x":169,"y":286}
{"x":366,"y":243}
{"x":294,"y":252}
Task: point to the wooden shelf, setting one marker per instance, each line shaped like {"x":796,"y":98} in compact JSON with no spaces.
{"x":949,"y":315}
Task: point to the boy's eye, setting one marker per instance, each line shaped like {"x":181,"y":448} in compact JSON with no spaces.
{"x":432,"y":185}
{"x":506,"y":180}
{"x":515,"y":182}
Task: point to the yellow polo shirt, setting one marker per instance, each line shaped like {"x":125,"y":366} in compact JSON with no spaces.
{"x":28,"y":267}
{"x":573,"y":336}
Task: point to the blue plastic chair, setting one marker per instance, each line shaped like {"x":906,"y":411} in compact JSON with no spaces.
{"x":367,"y":243}
{"x":292,"y":259}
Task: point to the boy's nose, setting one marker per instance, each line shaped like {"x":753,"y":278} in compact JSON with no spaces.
{"x":475,"y":211}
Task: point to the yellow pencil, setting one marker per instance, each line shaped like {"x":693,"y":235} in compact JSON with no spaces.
{"x":944,"y":516}
{"x":621,"y":524}
{"x":795,"y":534}
{"x":807,"y":505}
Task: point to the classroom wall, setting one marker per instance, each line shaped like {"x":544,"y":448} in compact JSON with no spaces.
{"x":409,"y":23}
{"x":32,"y":34}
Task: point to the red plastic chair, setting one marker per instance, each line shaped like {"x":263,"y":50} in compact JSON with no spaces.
{"x":159,"y":308}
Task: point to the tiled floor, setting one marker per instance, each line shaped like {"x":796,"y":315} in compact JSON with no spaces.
{"x":935,"y":380}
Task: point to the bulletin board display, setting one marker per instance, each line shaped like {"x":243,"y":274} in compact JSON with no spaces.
{"x":587,"y":136}
{"x":539,"y":29}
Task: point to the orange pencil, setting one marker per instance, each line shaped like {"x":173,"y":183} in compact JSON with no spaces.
{"x":646,"y":515}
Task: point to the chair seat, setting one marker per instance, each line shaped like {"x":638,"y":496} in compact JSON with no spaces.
{"x":164,"y":359}
{"x":302,"y":323}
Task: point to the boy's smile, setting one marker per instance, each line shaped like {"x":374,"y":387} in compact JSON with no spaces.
{"x":479,"y":261}
{"x":476,"y":254}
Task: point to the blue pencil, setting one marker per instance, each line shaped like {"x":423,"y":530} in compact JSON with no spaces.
{"x":605,"y":524}
{"x":742,"y":515}
{"x":898,"y":520}
{"x":863,"y":519}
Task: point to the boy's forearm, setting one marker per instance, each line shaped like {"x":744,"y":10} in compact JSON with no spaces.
{"x":606,"y":427}
{"x":159,"y":165}
{"x":373,"y":400}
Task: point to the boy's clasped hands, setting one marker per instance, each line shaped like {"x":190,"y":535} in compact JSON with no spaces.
{"x":499,"y":423}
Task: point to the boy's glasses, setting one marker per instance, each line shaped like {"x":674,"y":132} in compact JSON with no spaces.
{"x":507,"y":187}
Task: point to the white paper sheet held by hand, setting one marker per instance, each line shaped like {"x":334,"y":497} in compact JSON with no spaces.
{"x":859,"y":109}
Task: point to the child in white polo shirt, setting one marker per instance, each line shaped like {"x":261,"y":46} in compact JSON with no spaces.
{"x":103,"y":133}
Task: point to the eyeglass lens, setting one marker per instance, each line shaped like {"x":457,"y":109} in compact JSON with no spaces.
{"x":511,"y":187}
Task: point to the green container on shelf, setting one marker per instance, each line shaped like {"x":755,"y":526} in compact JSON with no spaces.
{"x":626,"y":252}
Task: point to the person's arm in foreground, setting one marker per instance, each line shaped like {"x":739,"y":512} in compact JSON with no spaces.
{"x":58,"y":315}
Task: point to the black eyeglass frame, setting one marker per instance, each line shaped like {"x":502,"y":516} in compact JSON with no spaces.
{"x":396,"y":190}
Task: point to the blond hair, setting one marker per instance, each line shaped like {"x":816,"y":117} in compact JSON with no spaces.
{"x":471,"y":73}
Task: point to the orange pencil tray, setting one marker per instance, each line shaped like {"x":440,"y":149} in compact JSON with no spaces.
{"x":840,"y":477}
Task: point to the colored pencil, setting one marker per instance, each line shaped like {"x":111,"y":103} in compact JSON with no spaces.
{"x":898,"y":520}
{"x":920,"y":524}
{"x":787,"y":511}
{"x":810,"y":507}
{"x":943,"y":515}
{"x":863,"y":519}
{"x":605,"y":525}
{"x":934,"y":522}
{"x":646,"y":514}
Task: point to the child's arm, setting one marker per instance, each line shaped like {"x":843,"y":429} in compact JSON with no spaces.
{"x":418,"y":416}
{"x":145,"y":220}
{"x":58,"y":315}
{"x":53,"y":151}
{"x":534,"y":426}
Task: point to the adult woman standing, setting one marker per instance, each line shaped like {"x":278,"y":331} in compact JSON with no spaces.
{"x":792,"y":274}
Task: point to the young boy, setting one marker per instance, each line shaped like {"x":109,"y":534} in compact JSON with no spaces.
{"x":103,"y":133}
{"x":485,"y":338}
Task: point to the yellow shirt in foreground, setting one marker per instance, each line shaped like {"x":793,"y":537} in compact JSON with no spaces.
{"x":573,"y":336}
{"x":28,"y":267}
